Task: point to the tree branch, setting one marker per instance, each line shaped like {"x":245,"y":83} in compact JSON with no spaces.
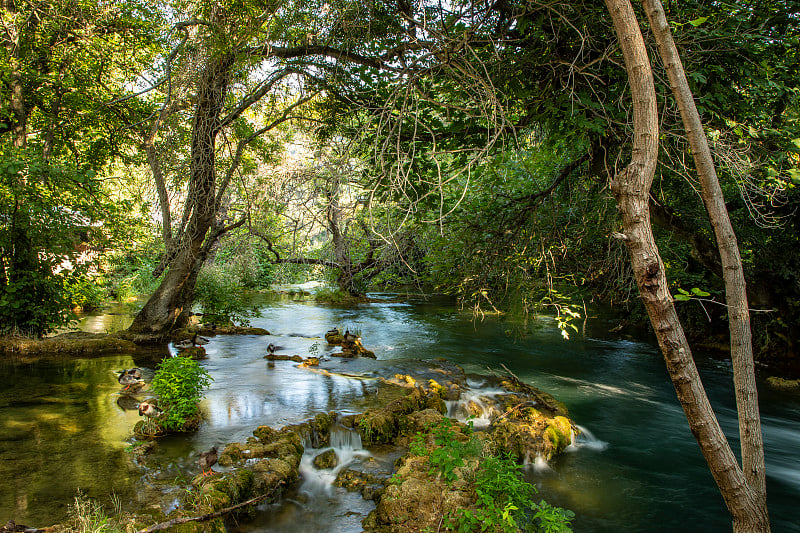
{"x":210,"y":516}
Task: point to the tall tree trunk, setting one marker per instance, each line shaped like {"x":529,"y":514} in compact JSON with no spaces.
{"x":631,"y":188}
{"x":168,"y":307}
{"x":341,"y":252}
{"x":752,"y":445}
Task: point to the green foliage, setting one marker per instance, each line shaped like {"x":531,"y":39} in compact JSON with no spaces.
{"x":85,"y":290}
{"x":448,"y":452}
{"x":503,"y":499}
{"x":222,"y":299}
{"x":132,"y":270}
{"x":49,"y":210}
{"x":334,"y":296}
{"x":684,"y":295}
{"x":179,"y":383}
{"x":88,"y":516}
{"x":313,"y":350}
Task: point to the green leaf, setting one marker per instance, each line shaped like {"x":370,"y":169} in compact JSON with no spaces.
{"x":698,"y":21}
{"x":681,"y":298}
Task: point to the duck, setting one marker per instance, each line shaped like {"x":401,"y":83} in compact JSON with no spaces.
{"x":334,"y":331}
{"x":135,"y":372}
{"x":196,"y":340}
{"x":271,"y":349}
{"x":349,"y":336}
{"x":13,"y":527}
{"x":131,"y":378}
{"x":207,"y":460}
{"x":184,"y":344}
{"x":149,"y":410}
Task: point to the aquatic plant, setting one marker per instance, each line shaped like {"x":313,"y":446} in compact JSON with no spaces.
{"x":179,"y":383}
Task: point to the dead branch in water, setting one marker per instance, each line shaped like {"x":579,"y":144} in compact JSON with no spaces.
{"x":209,"y":516}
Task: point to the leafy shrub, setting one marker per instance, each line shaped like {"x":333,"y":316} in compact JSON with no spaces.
{"x":132,"y":271}
{"x":179,"y":383}
{"x":220,"y":296}
{"x":448,"y":452}
{"x":503,"y":499}
{"x":47,"y":210}
{"x":85,"y":291}
{"x":334,"y":296}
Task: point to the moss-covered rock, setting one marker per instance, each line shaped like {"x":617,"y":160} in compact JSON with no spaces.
{"x":354,"y":348}
{"x":283,"y":357}
{"x":149,"y":428}
{"x":195,"y":352}
{"x":334,"y":337}
{"x":784,"y":384}
{"x":558,"y":434}
{"x":370,"y":485}
{"x":72,"y":344}
{"x":417,"y":421}
{"x":325,"y":460}
{"x":415,"y":500}
{"x":377,"y":426}
{"x":321,"y":426}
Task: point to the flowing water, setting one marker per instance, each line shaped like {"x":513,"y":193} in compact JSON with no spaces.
{"x":65,"y":426}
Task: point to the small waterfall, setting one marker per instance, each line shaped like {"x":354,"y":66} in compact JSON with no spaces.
{"x":348,"y":448}
{"x":539,"y":463}
{"x":585,"y":439}
{"x":474,"y":405}
{"x":345,"y":439}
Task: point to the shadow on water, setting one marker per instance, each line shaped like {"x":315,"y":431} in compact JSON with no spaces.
{"x":64,"y":425}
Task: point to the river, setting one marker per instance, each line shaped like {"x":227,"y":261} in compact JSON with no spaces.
{"x":64,"y":426}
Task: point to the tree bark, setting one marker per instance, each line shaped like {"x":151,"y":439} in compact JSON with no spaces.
{"x":752,"y":446}
{"x":631,"y":188}
{"x":168,"y":307}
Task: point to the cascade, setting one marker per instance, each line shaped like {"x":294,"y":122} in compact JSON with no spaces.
{"x":348,"y":448}
{"x":586,"y":439}
{"x":475,"y":405}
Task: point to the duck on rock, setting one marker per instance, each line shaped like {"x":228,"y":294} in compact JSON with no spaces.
{"x":149,"y":410}
{"x":194,"y":341}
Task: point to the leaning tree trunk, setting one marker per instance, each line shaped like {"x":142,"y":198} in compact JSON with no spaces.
{"x":752,"y":445}
{"x":168,"y":307}
{"x":631,"y":188}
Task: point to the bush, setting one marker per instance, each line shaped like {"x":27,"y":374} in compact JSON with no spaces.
{"x":220,"y":296}
{"x":179,"y":383}
{"x":503,"y":499}
{"x":335,"y":296}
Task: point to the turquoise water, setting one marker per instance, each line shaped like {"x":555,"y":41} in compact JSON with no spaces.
{"x":63,"y":425}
